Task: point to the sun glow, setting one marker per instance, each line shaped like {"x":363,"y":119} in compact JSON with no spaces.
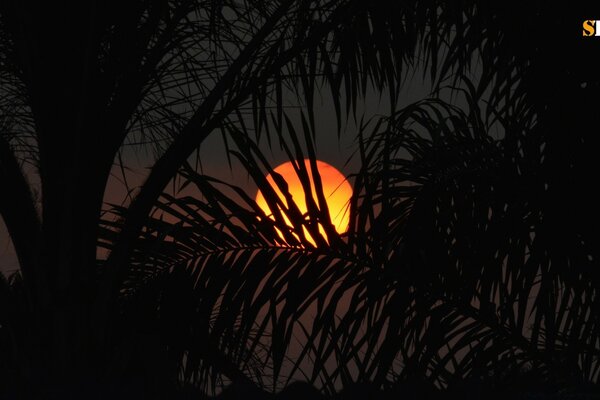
{"x":336,"y":189}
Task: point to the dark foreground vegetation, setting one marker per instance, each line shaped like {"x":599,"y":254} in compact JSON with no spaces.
{"x":470,"y":266}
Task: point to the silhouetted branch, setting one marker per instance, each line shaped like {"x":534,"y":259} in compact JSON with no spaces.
{"x":18,"y":209}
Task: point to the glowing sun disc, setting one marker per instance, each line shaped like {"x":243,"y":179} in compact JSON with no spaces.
{"x":336,"y":189}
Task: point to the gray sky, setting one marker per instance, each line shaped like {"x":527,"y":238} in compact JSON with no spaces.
{"x":214,"y":159}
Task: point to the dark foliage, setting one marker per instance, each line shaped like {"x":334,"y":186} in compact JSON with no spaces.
{"x":469,"y":266}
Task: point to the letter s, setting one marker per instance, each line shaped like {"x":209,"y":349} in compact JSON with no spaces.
{"x":589,"y":27}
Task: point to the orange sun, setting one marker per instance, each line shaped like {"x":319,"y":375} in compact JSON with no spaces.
{"x":336,"y":189}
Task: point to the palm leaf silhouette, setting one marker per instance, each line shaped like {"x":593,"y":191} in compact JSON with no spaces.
{"x":460,"y":264}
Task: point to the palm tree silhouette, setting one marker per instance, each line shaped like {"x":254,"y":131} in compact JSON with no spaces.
{"x":470,"y":258}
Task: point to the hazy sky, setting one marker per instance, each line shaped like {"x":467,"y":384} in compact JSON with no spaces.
{"x":214,"y":158}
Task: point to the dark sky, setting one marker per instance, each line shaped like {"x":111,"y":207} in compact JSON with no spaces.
{"x":214,"y":159}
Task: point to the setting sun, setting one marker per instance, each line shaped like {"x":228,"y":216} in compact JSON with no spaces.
{"x":336,"y":189}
